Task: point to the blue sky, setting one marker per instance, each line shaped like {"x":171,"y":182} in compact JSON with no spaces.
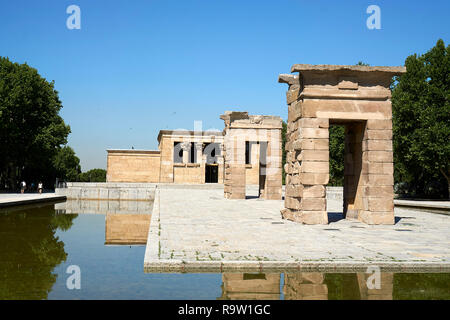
{"x":137,"y":67}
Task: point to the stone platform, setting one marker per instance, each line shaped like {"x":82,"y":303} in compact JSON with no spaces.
{"x":19,"y":199}
{"x":199,"y":231}
{"x":108,"y":191}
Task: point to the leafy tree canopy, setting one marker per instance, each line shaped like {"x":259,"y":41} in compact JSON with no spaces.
{"x":31,"y":129}
{"x":67,"y":164}
{"x":94,"y":175}
{"x":421,"y":123}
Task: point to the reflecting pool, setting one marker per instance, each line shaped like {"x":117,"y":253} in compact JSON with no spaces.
{"x":38,"y":244}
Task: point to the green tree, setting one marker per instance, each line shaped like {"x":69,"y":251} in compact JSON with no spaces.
{"x":94,"y":175}
{"x":67,"y":164}
{"x":421,"y":123}
{"x":30,"y":250}
{"x":31,"y":129}
{"x":337,"y":141}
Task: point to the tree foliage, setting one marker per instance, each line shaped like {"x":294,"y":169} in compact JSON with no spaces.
{"x":67,"y":164}
{"x":30,"y":250}
{"x":337,"y":143}
{"x":421,"y":123}
{"x":31,"y":129}
{"x":94,"y":175}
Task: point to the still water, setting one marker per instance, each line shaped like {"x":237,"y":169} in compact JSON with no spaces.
{"x":38,"y":244}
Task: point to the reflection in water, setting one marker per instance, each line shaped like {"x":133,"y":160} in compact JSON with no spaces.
{"x":126,"y":222}
{"x":305,"y":286}
{"x":37,"y":245}
{"x":129,"y":229}
{"x":248,"y":286}
{"x":29,"y":251}
{"x":334,"y":286}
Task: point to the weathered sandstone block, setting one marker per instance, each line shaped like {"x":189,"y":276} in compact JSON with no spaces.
{"x":314,"y":204}
{"x":314,"y":178}
{"x":317,"y":191}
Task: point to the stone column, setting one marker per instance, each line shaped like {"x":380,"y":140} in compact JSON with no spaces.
{"x":186,"y":146}
{"x":307,"y":161}
{"x":220,"y":162}
{"x":199,"y":152}
{"x":273,"y":171}
{"x":235,"y":168}
{"x":377,"y":173}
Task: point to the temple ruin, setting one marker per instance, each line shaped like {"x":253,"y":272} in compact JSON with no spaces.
{"x":245,"y":135}
{"x":248,"y":151}
{"x":357,"y":97}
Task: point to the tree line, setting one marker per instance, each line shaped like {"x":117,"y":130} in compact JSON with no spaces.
{"x":33,"y":135}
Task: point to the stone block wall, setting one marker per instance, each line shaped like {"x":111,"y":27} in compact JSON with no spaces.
{"x":133,"y":166}
{"x":108,"y":191}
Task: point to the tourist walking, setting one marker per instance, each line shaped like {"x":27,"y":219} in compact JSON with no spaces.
{"x":40,"y":187}
{"x":23,"y":186}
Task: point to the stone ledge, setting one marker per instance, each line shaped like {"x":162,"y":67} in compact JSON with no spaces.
{"x":29,"y":199}
{"x":179,"y":266}
{"x":329,"y":67}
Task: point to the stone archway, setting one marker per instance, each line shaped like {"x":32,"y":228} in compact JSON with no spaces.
{"x":359,"y":98}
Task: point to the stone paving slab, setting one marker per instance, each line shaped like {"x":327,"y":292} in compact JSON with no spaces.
{"x":200,"y":231}
{"x":18,"y":199}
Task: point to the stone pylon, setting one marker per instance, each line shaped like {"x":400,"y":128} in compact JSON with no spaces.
{"x":357,"y":97}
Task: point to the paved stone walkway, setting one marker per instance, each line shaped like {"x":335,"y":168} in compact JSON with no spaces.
{"x":18,"y":199}
{"x":199,"y":229}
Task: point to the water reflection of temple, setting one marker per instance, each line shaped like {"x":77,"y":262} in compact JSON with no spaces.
{"x":249,"y":286}
{"x":126,"y":222}
{"x":305,"y":286}
{"x":129,"y":229}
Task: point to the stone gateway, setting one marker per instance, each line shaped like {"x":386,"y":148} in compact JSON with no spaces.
{"x":357,"y":97}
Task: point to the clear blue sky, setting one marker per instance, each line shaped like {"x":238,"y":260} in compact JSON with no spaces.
{"x":137,"y":67}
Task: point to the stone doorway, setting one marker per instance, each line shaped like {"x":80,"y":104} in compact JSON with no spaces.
{"x":352,"y":158}
{"x":211,"y":173}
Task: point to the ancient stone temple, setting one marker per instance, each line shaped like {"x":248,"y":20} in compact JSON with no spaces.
{"x":358,"y":98}
{"x":192,"y":157}
{"x":246,"y":135}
